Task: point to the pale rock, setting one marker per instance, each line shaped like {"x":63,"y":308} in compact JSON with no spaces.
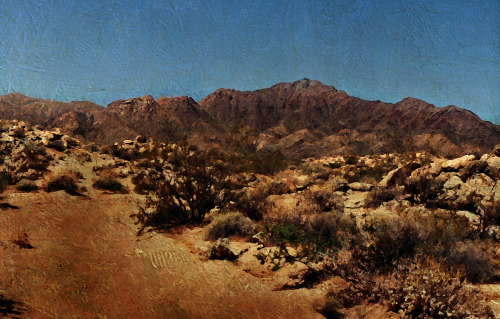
{"x":386,"y":180}
{"x":360,"y":187}
{"x":356,"y":200}
{"x":302,"y":181}
{"x":457,"y":163}
{"x":494,"y":162}
{"x":291,"y":251}
{"x":482,"y":184}
{"x":493,"y":232}
{"x":290,"y":275}
{"x":453,"y":182}
{"x":485,"y":157}
{"x":474,"y":220}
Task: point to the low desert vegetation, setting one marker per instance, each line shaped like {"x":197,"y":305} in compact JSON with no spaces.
{"x":67,"y":182}
{"x":230,"y":224}
{"x":110,"y":184}
{"x":184,"y":190}
{"x":418,"y":261}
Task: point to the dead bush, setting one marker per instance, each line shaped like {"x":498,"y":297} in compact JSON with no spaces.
{"x":110,"y":184}
{"x":64,"y":182}
{"x":185,"y":189}
{"x":26,"y":186}
{"x":379,"y":195}
{"x":328,"y":201}
{"x":251,"y":202}
{"x":231,"y":224}
{"x":425,"y":289}
{"x":491,"y":213}
{"x":390,"y":241}
{"x":143,"y":185}
{"x":469,"y":257}
{"x":57,"y":145}
{"x":424,"y":190}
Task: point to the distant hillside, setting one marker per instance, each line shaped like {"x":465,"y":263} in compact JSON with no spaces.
{"x":303,"y":118}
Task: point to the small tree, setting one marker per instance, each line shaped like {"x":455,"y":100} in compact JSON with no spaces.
{"x":185,"y":187}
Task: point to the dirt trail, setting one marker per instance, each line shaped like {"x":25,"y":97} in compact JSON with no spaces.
{"x":88,"y":263}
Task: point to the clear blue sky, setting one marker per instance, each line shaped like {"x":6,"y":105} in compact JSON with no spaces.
{"x":445,"y":52}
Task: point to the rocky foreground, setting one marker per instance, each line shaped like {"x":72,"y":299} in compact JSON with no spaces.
{"x":406,"y":235}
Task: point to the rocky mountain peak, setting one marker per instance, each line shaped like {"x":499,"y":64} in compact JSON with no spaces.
{"x":301,"y":118}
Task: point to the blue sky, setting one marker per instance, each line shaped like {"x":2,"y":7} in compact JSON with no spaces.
{"x":445,"y":52}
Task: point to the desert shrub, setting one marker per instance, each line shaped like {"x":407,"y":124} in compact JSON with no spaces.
{"x":472,"y":168}
{"x":379,"y":195}
{"x":35,"y":157}
{"x":18,"y":132}
{"x":390,"y":241}
{"x":91,"y":148}
{"x":473,"y":262}
{"x":328,"y":201}
{"x":58,"y":145}
{"x":424,"y":189}
{"x":231,"y":224}
{"x":110,"y":184}
{"x":251,"y":203}
{"x":64,"y":182}
{"x":184,"y":191}
{"x":71,"y":142}
{"x":143,"y":185}
{"x":375,"y":173}
{"x":3,"y":182}
{"x":351,"y":160}
{"x":491,"y":213}
{"x":331,"y":309}
{"x":317,"y":235}
{"x":26,"y":186}
{"x":424,"y":289}
{"x":442,"y":231}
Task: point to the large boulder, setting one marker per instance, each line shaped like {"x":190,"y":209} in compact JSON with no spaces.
{"x":398,"y":176}
{"x":455,"y":164}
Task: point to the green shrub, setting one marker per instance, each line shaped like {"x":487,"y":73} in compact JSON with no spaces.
{"x":230,"y":224}
{"x":318,"y":235}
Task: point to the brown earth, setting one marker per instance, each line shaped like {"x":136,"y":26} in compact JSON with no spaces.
{"x":88,"y":263}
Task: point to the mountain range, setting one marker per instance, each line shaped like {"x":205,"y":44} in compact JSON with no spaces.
{"x":303,"y":118}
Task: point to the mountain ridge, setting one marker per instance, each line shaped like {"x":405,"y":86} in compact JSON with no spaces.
{"x":301,"y":118}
